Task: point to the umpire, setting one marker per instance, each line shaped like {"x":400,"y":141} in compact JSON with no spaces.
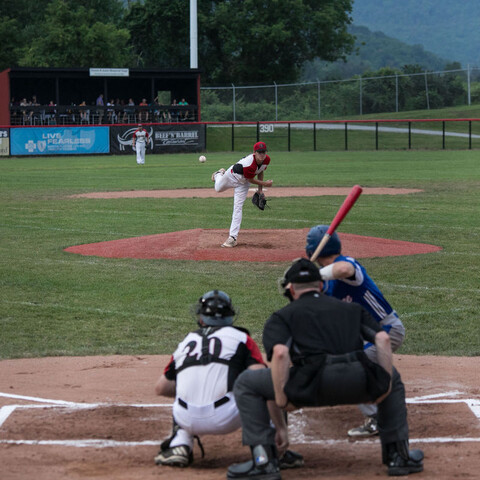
{"x":315,"y":346}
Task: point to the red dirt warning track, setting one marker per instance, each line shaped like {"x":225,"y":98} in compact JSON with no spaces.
{"x":253,"y":246}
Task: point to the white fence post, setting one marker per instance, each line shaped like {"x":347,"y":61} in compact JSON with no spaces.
{"x":234,"y":115}
{"x":319,"y":100}
{"x":426,"y":91}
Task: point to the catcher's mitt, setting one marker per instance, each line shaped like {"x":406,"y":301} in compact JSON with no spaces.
{"x":259,"y":200}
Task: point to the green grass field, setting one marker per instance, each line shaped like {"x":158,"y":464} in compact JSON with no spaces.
{"x":56,"y":303}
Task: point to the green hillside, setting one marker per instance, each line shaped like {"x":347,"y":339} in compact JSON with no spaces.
{"x":448,"y":29}
{"x":375,"y":50}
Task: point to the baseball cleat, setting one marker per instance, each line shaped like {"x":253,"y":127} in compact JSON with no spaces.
{"x":180,"y":456}
{"x":368,"y":429}
{"x":398,"y":466}
{"x":291,"y":459}
{"x":230,"y":242}
{"x":221,"y":171}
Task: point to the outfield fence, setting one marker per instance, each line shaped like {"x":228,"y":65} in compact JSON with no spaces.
{"x":318,"y":135}
{"x":357,"y":135}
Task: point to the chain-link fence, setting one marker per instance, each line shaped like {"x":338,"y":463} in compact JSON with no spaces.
{"x":338,"y":98}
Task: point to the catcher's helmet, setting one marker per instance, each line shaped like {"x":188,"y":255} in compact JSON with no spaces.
{"x":215,"y":309}
{"x":314,"y":237}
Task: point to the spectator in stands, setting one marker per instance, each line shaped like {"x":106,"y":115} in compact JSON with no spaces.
{"x":100,"y":112}
{"x":184,"y":113}
{"x":84,"y":112}
{"x":129,"y":111}
{"x":50,"y":113}
{"x":143,"y":112}
{"x":164,"y":112}
{"x":26,"y":116}
{"x":174,"y":112}
{"x":111,"y":116}
{"x":34,"y":114}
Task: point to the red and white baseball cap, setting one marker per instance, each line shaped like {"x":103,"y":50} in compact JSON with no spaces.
{"x":259,"y":146}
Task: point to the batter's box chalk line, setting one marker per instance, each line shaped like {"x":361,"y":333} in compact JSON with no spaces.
{"x":297,"y":423}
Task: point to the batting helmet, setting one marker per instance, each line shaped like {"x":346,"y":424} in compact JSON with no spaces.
{"x":314,"y":237}
{"x":215,"y":309}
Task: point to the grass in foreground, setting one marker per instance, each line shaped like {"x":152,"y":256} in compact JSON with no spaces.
{"x":54,"y":303}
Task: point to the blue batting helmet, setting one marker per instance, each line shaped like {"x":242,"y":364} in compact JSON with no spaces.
{"x":314,"y":237}
{"x":215,"y":309}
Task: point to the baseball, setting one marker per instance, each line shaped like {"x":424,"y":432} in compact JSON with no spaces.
{"x":202,"y":158}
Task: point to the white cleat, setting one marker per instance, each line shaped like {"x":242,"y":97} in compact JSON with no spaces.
{"x":230,"y":242}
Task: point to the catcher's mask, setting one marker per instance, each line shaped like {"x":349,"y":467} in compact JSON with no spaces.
{"x":315,"y":235}
{"x":215,"y":309}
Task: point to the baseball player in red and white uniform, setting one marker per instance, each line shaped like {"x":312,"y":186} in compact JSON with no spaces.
{"x":239,"y":176}
{"x":200,"y":376}
{"x":139,"y":142}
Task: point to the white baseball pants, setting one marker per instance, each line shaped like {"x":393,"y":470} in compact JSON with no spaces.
{"x":204,"y":420}
{"x":241,"y":186}
{"x":140,"y":149}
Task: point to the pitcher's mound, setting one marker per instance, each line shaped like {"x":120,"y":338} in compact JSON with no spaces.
{"x":253,"y":246}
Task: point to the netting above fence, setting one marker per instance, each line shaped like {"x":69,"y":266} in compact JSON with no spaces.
{"x":328,"y":99}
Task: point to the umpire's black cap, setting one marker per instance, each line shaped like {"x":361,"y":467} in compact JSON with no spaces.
{"x":302,"y":271}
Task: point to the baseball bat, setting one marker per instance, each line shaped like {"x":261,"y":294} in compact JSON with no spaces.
{"x":341,"y":214}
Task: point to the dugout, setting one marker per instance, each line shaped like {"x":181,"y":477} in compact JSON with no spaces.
{"x":68,"y":87}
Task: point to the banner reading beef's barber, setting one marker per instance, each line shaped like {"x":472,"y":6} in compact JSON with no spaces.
{"x":162,"y":139}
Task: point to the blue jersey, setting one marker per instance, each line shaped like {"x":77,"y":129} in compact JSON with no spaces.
{"x":362,"y":289}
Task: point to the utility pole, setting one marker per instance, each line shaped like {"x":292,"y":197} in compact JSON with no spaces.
{"x":193,"y":35}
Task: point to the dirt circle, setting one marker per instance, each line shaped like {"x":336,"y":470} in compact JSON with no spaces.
{"x":98,"y":417}
{"x":253,"y":245}
{"x":270,"y":192}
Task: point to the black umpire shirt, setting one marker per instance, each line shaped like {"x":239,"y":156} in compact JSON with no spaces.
{"x":316,"y":324}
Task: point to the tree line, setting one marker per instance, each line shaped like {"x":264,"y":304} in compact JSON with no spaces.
{"x":239,"y":41}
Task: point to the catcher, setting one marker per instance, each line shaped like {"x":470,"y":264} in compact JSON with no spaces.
{"x":239,"y":177}
{"x":200,"y":376}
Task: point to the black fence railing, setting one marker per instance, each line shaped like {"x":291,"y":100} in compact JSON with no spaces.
{"x":337,"y":135}
{"x":100,"y":115}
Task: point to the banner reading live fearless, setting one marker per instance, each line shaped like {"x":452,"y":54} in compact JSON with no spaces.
{"x":162,"y":138}
{"x":59,"y":141}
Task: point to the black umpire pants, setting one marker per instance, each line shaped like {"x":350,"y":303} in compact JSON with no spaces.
{"x":254,"y":387}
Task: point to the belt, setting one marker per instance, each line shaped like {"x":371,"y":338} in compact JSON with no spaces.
{"x":216,"y":404}
{"x":344,"y":358}
{"x":328,"y":359}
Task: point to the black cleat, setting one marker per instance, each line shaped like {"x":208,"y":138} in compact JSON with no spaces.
{"x":398,"y":466}
{"x":291,"y":459}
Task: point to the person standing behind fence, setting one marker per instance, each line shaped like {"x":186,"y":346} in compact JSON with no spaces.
{"x":139,"y":142}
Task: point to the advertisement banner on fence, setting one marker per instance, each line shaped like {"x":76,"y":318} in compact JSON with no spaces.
{"x":162,"y":139}
{"x":60,"y":141}
{"x":4,"y":142}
